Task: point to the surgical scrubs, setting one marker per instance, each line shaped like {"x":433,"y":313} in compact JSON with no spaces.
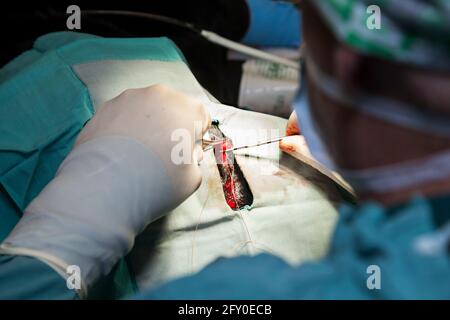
{"x":409,"y":244}
{"x":273,"y":24}
{"x":407,"y":247}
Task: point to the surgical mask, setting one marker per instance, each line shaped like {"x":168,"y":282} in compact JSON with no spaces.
{"x":386,"y":109}
{"x":380,"y":179}
{"x":309,"y":129}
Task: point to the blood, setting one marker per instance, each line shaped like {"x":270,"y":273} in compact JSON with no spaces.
{"x":235,"y":187}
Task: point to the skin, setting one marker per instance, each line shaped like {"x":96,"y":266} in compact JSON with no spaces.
{"x":358,"y":141}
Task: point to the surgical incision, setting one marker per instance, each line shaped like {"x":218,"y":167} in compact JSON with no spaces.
{"x":235,"y":187}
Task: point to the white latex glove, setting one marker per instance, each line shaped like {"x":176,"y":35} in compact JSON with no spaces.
{"x":151,"y":116}
{"x":293,"y":142}
{"x":118,"y":178}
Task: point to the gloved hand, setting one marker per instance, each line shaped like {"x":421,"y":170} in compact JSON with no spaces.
{"x":293,"y":142}
{"x":121,"y":175}
{"x":155,"y":116}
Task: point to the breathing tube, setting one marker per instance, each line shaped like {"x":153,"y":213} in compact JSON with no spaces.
{"x":206,"y":34}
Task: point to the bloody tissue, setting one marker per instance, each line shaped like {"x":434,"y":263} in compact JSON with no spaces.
{"x":235,"y":187}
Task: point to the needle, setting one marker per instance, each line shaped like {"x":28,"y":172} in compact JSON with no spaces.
{"x":256,"y":144}
{"x":209,"y":144}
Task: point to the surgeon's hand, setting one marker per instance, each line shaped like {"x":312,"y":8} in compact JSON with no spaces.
{"x":292,"y":143}
{"x":163,"y":120}
{"x":119,"y":177}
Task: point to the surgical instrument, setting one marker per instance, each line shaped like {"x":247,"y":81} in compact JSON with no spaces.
{"x":209,"y":144}
{"x":261,"y":143}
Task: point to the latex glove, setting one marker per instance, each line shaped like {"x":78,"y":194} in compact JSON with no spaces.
{"x":293,"y":143}
{"x":155,"y":116}
{"x":118,"y":178}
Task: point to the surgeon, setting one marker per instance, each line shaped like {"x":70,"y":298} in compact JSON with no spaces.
{"x":375,"y":106}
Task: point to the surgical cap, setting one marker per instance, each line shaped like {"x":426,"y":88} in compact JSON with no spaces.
{"x":412,"y":31}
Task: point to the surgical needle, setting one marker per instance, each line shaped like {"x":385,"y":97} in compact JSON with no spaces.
{"x":209,"y":144}
{"x":261,"y":143}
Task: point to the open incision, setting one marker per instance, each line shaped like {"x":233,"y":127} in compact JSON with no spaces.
{"x":235,"y":187}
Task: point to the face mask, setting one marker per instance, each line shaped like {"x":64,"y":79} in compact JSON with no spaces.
{"x":380,"y":179}
{"x":309,"y":129}
{"x":388,"y":110}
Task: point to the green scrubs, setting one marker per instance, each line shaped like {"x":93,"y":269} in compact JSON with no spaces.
{"x":406,"y":247}
{"x":18,"y":280}
{"x":409,"y":244}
